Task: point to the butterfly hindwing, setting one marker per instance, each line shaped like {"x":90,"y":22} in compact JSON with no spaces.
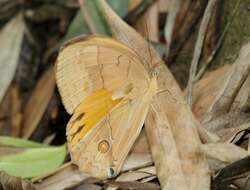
{"x":103,"y":83}
{"x":102,"y":151}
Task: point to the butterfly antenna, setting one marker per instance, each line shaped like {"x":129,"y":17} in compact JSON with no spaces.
{"x":149,"y":50}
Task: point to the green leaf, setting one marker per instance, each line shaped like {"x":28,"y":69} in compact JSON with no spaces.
{"x":77,"y":27}
{"x":33,"y":161}
{"x":120,"y":7}
{"x":20,"y":143}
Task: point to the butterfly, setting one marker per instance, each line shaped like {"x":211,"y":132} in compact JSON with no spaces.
{"x":103,"y":83}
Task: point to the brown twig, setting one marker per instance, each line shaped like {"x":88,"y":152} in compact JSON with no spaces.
{"x":87,"y":16}
{"x":198,"y":48}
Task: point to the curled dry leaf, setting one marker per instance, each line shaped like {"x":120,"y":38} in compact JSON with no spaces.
{"x":231,"y":172}
{"x":232,"y":134}
{"x":37,"y":103}
{"x":8,"y":182}
{"x":11,"y":39}
{"x":171,"y":129}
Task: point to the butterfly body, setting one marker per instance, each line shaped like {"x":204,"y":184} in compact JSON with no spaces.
{"x":103,"y":83}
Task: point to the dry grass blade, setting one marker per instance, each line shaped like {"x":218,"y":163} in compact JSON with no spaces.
{"x":87,"y":17}
{"x":198,"y":48}
{"x":37,"y":103}
{"x":169,"y":126}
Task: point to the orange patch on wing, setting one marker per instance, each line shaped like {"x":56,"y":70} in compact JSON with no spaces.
{"x":91,"y":110}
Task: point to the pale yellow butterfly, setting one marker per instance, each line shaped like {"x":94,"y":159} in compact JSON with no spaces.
{"x":104,"y":84}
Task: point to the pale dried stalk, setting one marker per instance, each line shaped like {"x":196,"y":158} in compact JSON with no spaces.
{"x":174,"y":6}
{"x":198,"y":48}
{"x":171,"y":127}
{"x":87,"y":17}
{"x":11,"y":36}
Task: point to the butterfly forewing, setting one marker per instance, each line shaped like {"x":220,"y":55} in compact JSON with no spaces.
{"x":87,"y":64}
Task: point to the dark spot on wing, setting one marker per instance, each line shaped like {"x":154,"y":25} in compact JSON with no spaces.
{"x":77,"y":131}
{"x":78,"y":118}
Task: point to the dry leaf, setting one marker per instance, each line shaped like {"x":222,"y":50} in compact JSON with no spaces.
{"x":242,"y":96}
{"x":135,"y":175}
{"x":170,"y":125}
{"x":11,"y":37}
{"x":148,"y":23}
{"x":16,"y":116}
{"x":37,"y":103}
{"x":225,"y":152}
{"x":134,"y":185}
{"x":8,"y":182}
{"x":69,"y":175}
{"x":10,"y":112}
{"x":215,"y":94}
{"x":206,"y":91}
{"x":229,"y":120}
{"x":66,"y":176}
{"x":141,"y":144}
{"x":88,"y":186}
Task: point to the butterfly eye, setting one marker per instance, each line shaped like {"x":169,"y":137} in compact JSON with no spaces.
{"x":103,"y":146}
{"x":154,"y":72}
